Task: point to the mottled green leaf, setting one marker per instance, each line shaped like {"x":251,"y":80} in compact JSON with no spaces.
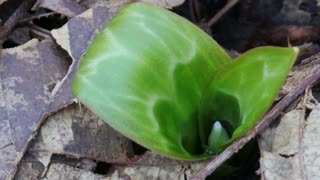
{"x":161,"y":81}
{"x":145,"y":74}
{"x":242,"y":91}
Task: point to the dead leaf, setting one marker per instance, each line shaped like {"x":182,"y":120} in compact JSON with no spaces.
{"x":75,"y":37}
{"x":64,"y":7}
{"x":80,"y":133}
{"x":72,"y":8}
{"x":62,"y":171}
{"x":27,"y":75}
{"x":116,"y":5}
{"x":29,"y":168}
{"x":152,"y":159}
{"x":168,"y":4}
{"x":112,"y":5}
{"x":300,"y":72}
{"x":290,"y":150}
{"x":156,"y":172}
{"x":77,"y":133}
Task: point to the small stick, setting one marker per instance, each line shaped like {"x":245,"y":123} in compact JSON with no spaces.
{"x":263,"y":124}
{"x":223,"y":11}
{"x":38,"y":16}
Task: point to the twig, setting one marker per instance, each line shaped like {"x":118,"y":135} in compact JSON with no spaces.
{"x":39,"y":32}
{"x":38,"y":16}
{"x":19,"y":13}
{"x":224,"y":10}
{"x":264,"y":123}
{"x":302,"y":124}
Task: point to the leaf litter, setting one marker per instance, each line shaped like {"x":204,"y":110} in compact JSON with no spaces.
{"x":28,"y":72}
{"x":50,"y":93}
{"x":290,"y":149}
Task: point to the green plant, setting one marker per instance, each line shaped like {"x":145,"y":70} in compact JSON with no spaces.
{"x":161,"y":81}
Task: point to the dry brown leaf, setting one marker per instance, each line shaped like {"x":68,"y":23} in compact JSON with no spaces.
{"x":151,"y":159}
{"x":290,"y":150}
{"x":59,"y":171}
{"x":64,"y":7}
{"x":80,"y":133}
{"x":27,"y":75}
{"x":300,"y":72}
{"x":77,"y":133}
{"x":75,"y":37}
{"x":72,"y":8}
{"x":156,"y":172}
{"x":63,"y":171}
{"x":112,"y":5}
{"x":169,"y":4}
{"x":116,"y":5}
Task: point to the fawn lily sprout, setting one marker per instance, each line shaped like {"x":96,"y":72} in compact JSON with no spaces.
{"x":164,"y":83}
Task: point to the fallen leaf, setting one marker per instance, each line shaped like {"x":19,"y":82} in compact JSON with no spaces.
{"x":76,"y":132}
{"x":75,"y":37}
{"x":27,"y":75}
{"x":300,"y":72}
{"x":156,"y":172}
{"x":79,"y":132}
{"x":168,"y":4}
{"x":116,"y":5}
{"x":112,"y":5}
{"x":152,"y":159}
{"x":64,"y":7}
{"x":62,"y":171}
{"x":290,"y":150}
